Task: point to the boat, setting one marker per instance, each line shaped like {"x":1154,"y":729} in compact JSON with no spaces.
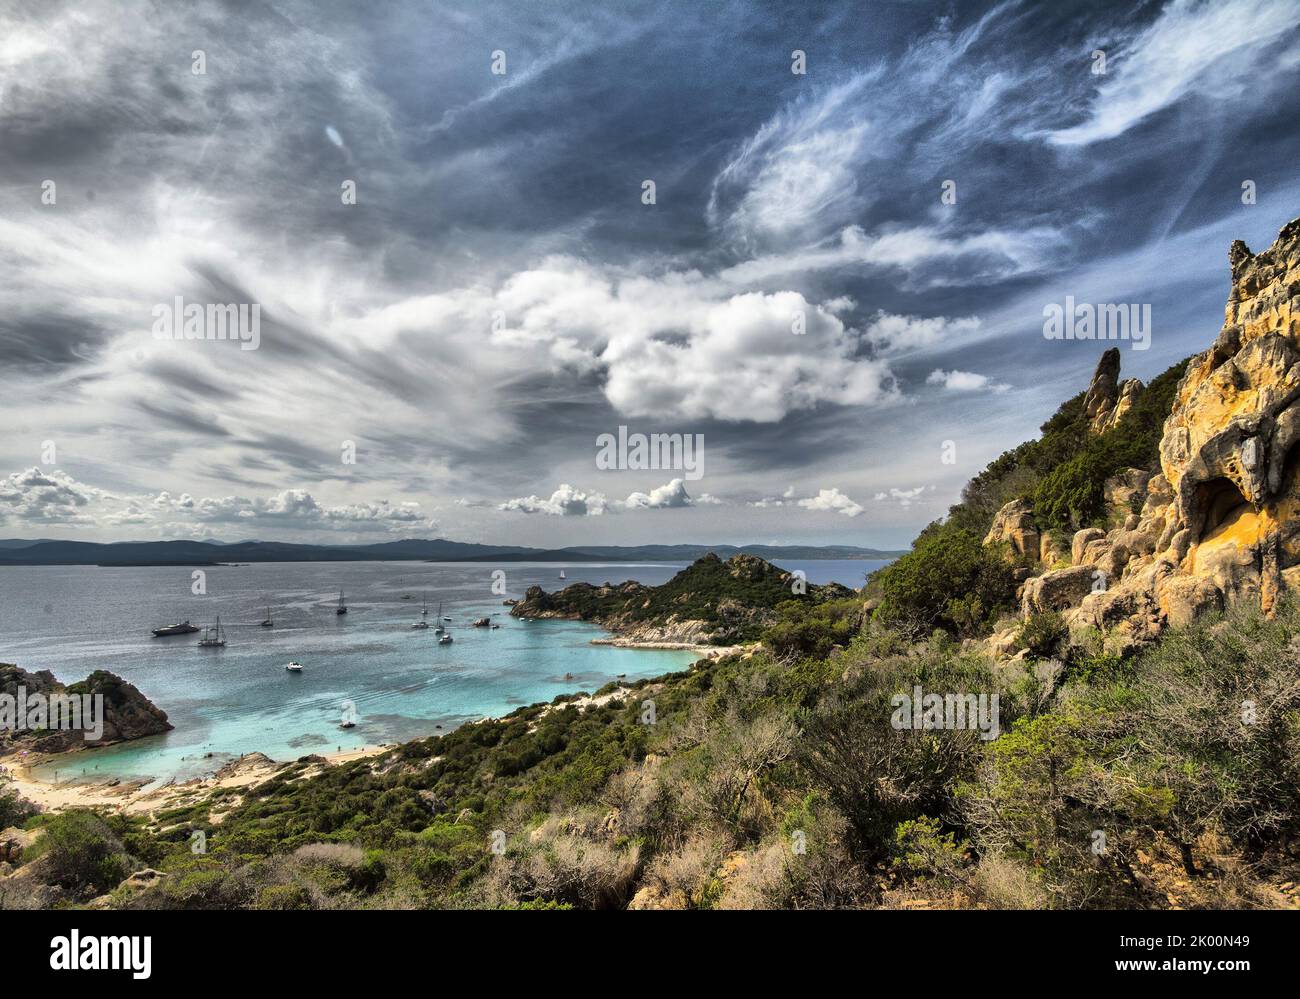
{"x":444,"y":639}
{"x":562,"y":575}
{"x":293,"y":667}
{"x":184,"y":628}
{"x":440,"y":629}
{"x":347,"y":724}
{"x":342,"y":607}
{"x":212,"y":637}
{"x":421,"y":626}
{"x":270,"y":621}
{"x":425,"y":612}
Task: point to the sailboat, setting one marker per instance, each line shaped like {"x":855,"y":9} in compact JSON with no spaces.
{"x":342,"y":607}
{"x":425,"y":612}
{"x":562,"y":575}
{"x":445,"y":639}
{"x":440,"y":629}
{"x":212,"y":637}
{"x":270,"y":621}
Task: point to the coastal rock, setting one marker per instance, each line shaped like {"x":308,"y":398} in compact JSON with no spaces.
{"x":127,"y":713}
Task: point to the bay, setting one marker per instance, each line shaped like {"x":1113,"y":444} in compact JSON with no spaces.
{"x":401,"y":683}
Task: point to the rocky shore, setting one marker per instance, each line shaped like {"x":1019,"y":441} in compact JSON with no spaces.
{"x":127,"y":713}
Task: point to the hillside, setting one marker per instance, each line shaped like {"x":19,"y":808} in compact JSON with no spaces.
{"x":711,"y":602}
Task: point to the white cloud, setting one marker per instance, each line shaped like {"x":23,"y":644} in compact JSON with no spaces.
{"x":55,"y":497}
{"x":671,"y":495}
{"x":903,"y":497}
{"x":964,"y":381}
{"x":569,"y":501}
{"x":832,"y":500}
{"x":564,"y":502}
{"x":1215,"y":48}
{"x":50,"y":497}
{"x":893,"y":335}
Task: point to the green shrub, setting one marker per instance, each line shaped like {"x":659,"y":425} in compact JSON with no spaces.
{"x":290,"y":896}
{"x":801,"y":630}
{"x":81,"y":852}
{"x":1044,"y":635}
{"x":949,"y":580}
{"x":14,"y":809}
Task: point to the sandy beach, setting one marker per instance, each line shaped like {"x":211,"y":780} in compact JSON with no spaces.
{"x":139,"y":797}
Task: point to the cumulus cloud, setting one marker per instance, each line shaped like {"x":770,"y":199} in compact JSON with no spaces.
{"x":670,"y":495}
{"x":964,"y":381}
{"x":564,"y":502}
{"x":45,"y":496}
{"x":55,"y":496}
{"x":832,"y":500}
{"x":568,"y":501}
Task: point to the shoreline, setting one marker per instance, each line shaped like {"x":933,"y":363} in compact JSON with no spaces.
{"x":704,"y":651}
{"x":144,"y":795}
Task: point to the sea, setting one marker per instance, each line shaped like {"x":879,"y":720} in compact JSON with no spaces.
{"x":369,"y":665}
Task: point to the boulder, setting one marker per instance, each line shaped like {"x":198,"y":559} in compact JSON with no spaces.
{"x":1014,"y":524}
{"x":1184,"y":598}
{"x":1081,"y":540}
{"x":1057,"y":590}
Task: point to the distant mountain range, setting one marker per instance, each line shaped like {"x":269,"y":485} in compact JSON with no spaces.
{"x":47,"y":552}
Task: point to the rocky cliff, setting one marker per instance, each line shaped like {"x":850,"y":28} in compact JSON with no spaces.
{"x":1220,"y":523}
{"x":127,"y":713}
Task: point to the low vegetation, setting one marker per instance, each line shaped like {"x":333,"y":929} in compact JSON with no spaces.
{"x":777,"y":778}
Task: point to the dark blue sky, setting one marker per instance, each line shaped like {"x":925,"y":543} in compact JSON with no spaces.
{"x":500,"y":295}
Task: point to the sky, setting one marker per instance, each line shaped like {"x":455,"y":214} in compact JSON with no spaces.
{"x":817,"y":239}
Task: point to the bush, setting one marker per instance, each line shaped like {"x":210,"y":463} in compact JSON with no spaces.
{"x":283,"y":897}
{"x":877,"y":776}
{"x":81,"y":852}
{"x":949,"y":580}
{"x":14,"y":809}
{"x":1043,"y":635}
{"x":814,"y":631}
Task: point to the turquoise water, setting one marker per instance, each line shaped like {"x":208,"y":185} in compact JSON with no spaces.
{"x":239,"y":699}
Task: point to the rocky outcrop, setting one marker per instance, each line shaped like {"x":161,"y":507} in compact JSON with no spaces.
{"x":127,"y":713}
{"x":1014,"y":525}
{"x":1108,"y":399}
{"x":1220,"y":523}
